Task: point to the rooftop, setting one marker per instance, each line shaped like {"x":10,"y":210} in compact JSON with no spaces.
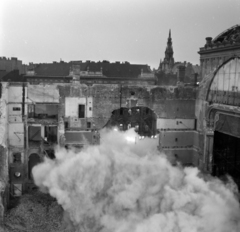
{"x":117,"y":69}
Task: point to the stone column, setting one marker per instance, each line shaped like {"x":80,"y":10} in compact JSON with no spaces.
{"x":208,"y":151}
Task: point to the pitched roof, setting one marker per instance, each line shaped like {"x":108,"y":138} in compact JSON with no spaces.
{"x":13,"y":76}
{"x":52,"y":69}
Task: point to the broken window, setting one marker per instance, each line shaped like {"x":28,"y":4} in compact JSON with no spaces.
{"x":16,"y":109}
{"x":17,"y":157}
{"x":66,"y":125}
{"x":88,"y":125}
{"x":50,"y":134}
{"x":81,"y":111}
{"x":43,"y":111}
{"x":46,"y":135}
{"x":34,"y":133}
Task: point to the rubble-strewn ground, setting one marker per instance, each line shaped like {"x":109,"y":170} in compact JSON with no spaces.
{"x":35,"y":212}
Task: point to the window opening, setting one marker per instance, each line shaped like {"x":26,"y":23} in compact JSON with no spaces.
{"x":81,"y":111}
{"x":16,"y":109}
{"x":88,"y":125}
{"x":17,"y":157}
{"x":121,"y":111}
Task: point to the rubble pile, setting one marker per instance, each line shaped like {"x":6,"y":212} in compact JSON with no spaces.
{"x":36,"y":212}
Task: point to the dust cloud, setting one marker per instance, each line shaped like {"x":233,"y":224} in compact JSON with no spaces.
{"x":125,"y":185}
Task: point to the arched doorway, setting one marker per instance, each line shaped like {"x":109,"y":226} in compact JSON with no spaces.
{"x":222,"y":144}
{"x":143,"y":119}
{"x":33,"y":160}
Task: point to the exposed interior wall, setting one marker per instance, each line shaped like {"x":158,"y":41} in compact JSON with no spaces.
{"x":3,"y":181}
{"x":71,"y":105}
{"x":3,"y":151}
{"x":43,"y":93}
{"x":176,"y":124}
{"x":167,"y":102}
{"x":173,"y":106}
{"x":16,"y":134}
{"x":15,"y":93}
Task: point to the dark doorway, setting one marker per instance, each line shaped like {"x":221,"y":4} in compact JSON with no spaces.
{"x":81,"y":111}
{"x":33,"y":160}
{"x":226,"y":156}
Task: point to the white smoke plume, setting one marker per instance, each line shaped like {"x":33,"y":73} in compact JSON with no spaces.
{"x":125,"y":185}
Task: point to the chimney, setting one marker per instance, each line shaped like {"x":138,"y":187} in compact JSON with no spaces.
{"x":75,"y":71}
{"x":181,"y":73}
{"x":208,"y":41}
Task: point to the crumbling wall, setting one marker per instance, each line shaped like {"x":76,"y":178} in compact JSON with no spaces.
{"x":166,"y":102}
{"x":3,"y":181}
{"x":174,"y":107}
{"x":43,"y":93}
{"x":3,"y":151}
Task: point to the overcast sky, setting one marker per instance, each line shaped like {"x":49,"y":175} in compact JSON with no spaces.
{"x":115,"y":30}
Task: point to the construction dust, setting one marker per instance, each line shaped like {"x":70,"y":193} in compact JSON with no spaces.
{"x":125,"y":185}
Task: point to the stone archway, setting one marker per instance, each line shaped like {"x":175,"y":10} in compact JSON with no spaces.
{"x":222,"y":147}
{"x":142,"y":118}
{"x":221,"y":98}
{"x":33,"y":160}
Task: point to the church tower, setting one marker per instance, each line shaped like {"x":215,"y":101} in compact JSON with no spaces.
{"x":168,"y":61}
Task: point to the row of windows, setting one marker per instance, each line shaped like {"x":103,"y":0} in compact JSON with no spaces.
{"x":81,"y":110}
{"x":34,"y":81}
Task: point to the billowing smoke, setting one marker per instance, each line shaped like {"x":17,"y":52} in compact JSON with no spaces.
{"x":125,"y":185}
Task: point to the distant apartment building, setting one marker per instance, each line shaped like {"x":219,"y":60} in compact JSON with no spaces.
{"x":9,"y":64}
{"x":102,"y":72}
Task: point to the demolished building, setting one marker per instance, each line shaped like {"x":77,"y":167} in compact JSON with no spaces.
{"x":44,"y":111}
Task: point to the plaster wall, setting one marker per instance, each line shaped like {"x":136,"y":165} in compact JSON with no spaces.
{"x":43,"y":93}
{"x":71,"y":103}
{"x":4,"y":115}
{"x":16,"y":134}
{"x":15,"y":109}
{"x":89,"y":107}
{"x":15,"y":94}
{"x":177,"y":138}
{"x":176,"y":124}
{"x":3,"y":182}
{"x":3,"y":151}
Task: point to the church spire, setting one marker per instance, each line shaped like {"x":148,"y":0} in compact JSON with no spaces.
{"x":168,"y":61}
{"x":169,"y":49}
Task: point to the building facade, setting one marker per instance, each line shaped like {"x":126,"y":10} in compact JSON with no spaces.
{"x":217,"y":105}
{"x":42,"y":116}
